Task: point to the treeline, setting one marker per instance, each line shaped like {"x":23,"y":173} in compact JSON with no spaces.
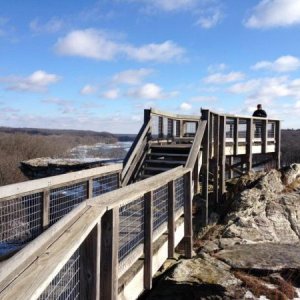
{"x":17,"y":145}
{"x":290,"y":146}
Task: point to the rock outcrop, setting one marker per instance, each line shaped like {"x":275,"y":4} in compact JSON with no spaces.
{"x":254,"y":252}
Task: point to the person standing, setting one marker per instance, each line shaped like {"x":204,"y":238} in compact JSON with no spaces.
{"x":259,"y":112}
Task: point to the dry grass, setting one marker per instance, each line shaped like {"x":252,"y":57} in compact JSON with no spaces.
{"x":259,"y":287}
{"x":295,"y":185}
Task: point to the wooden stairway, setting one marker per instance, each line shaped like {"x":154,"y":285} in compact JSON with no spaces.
{"x":163,"y":157}
{"x":164,"y":142}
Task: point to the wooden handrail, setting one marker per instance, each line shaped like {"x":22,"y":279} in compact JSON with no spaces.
{"x":196,"y":145}
{"x":23,"y":276}
{"x":133,"y":153}
{"x":38,"y":185}
{"x":174,"y":116}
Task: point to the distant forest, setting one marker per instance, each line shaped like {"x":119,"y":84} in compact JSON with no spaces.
{"x":18,"y":144}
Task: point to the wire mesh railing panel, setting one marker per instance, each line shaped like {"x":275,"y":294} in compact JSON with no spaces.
{"x":104,"y":184}
{"x":271,"y":130}
{"x":258,"y":129}
{"x":154,"y":127}
{"x":20,"y":220}
{"x":131,"y":231}
{"x":66,"y":284}
{"x":242,"y":129}
{"x":179,"y":193}
{"x":190,"y":128}
{"x":160,"y":206}
{"x":64,"y":199}
{"x":229,"y":129}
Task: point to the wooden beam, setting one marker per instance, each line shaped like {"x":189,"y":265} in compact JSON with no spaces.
{"x":222,"y":157}
{"x":90,"y":265}
{"x":216,"y":158}
{"x":264,"y":136}
{"x":46,"y":209}
{"x":230,"y":170}
{"x":109,"y":255}
{"x":249,"y":139}
{"x":171,"y":219}
{"x":148,"y":239}
{"x":34,"y":186}
{"x":205,"y":163}
{"x":236,"y":136}
{"x":278,"y":144}
{"x":188,"y":217}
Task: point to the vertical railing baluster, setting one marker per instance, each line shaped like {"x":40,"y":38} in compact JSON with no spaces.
{"x":109,"y":255}
{"x":277,"y":144}
{"x":222,"y":156}
{"x":249,"y":142}
{"x":236,"y":137}
{"x":171,"y":219}
{"x":46,"y":209}
{"x":89,"y":188}
{"x":148,"y":239}
{"x":188,"y":217}
{"x":90,"y":265}
{"x":264,"y":137}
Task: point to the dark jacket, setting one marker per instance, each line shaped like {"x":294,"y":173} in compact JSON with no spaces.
{"x":260,"y":113}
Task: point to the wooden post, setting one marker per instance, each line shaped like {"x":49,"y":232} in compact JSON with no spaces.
{"x":147,"y":115}
{"x":171,"y":219}
{"x":205,"y":163}
{"x":249,"y":139}
{"x":89,"y":188}
{"x":109,"y":255}
{"x":90,"y":265}
{"x":278,"y":144}
{"x":148,"y":239}
{"x":216,"y":158}
{"x":46,"y":209}
{"x":236,"y":136}
{"x":196,"y":175}
{"x":188,"y":217}
{"x":222,"y":158}
{"x":230,"y":170}
{"x":264,"y":137}
{"x":160,"y":127}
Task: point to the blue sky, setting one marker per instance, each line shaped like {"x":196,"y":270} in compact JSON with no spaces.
{"x":97,"y":64}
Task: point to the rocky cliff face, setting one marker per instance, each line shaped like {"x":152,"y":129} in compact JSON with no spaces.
{"x":254,"y":253}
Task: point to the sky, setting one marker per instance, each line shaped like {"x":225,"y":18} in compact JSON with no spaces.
{"x":98,"y":64}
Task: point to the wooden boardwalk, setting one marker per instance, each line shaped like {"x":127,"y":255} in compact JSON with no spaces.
{"x":103,"y":233}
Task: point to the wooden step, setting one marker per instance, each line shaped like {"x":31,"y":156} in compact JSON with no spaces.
{"x":168,"y":154}
{"x":156,"y":169}
{"x":163,"y":161}
{"x":172,"y":146}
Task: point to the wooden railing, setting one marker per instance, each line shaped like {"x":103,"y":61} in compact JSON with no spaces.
{"x":85,"y":253}
{"x":229,"y":136}
{"x":28,"y":208}
{"x":158,"y":127}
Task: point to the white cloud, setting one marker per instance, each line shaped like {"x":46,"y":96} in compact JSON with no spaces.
{"x":210,"y":18}
{"x":274,"y":13}
{"x":38,"y":81}
{"x":204,"y":99}
{"x":216,"y":68}
{"x":185,"y":106}
{"x":131,"y":77}
{"x":111,"y":94}
{"x":174,"y":5}
{"x":267,"y":90}
{"x":65,"y":106}
{"x":221,"y":78}
{"x":51,"y":26}
{"x":163,"y":52}
{"x":88,"y":90}
{"x":97,"y":45}
{"x":286,"y":63}
{"x":150,"y":91}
